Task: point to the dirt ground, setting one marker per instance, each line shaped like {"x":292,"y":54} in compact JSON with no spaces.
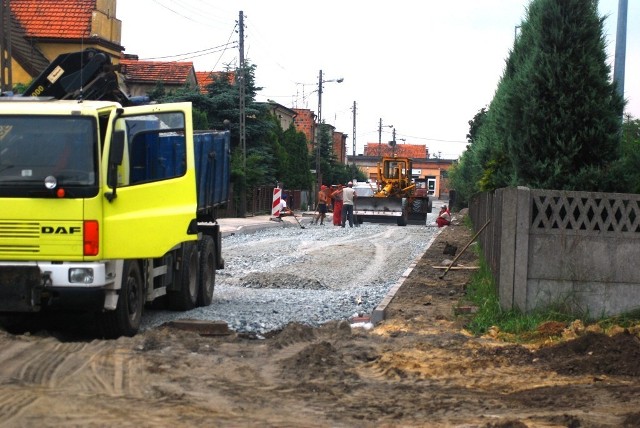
{"x":418,"y":368}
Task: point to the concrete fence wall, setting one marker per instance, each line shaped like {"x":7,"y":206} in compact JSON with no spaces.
{"x":576,"y":250}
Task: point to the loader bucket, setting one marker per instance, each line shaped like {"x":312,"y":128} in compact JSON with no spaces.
{"x":382,"y":205}
{"x":372,"y":208}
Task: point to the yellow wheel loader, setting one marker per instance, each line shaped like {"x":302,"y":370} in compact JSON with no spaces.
{"x":394,"y":197}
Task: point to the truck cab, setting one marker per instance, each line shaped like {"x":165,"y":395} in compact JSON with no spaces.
{"x":102,"y":208}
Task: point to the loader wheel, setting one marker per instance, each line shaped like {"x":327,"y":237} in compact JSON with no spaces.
{"x":187,"y":296}
{"x":416,"y":206}
{"x":207,"y":270}
{"x":125,"y":319}
{"x":404,"y":218}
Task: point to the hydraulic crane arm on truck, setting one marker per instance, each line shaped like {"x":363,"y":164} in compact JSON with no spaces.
{"x":85,"y":75}
{"x":106,"y":207}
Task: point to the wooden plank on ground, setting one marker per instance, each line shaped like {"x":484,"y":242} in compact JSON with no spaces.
{"x":457,"y":267}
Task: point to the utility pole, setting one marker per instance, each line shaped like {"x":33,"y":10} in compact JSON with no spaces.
{"x":242,"y":211}
{"x":320,"y":127}
{"x":621,"y":47}
{"x":6,"y":83}
{"x":319,"y":132}
{"x":353,"y":139}
{"x":393,"y":143}
{"x":380,"y":137}
{"x":320,"y":97}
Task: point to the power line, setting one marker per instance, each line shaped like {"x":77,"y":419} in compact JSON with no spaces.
{"x":174,"y":11}
{"x":206,"y":53}
{"x":228,"y":43}
{"x":434,"y":139}
{"x":208,"y":18}
{"x":202,"y":51}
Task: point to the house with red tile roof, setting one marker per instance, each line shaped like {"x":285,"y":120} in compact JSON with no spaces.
{"x":206,"y":78}
{"x":413,"y":151}
{"x":142,"y":77}
{"x":42,"y":30}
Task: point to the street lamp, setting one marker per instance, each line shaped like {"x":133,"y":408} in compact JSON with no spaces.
{"x":320,"y":83}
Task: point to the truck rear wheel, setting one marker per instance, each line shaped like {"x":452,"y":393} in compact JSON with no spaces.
{"x":125,"y":319}
{"x":187,"y":296}
{"x":207,"y":270}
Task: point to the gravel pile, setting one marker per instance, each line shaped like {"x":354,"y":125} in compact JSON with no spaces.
{"x":313,"y":275}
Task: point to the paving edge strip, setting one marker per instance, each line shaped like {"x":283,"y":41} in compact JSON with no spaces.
{"x":380,"y":312}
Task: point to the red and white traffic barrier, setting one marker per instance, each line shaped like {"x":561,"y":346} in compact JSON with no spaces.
{"x":275,"y":205}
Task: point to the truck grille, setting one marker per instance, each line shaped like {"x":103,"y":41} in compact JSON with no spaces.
{"x":19,"y":237}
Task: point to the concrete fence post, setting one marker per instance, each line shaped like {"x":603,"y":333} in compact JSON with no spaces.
{"x":521,"y":259}
{"x":514,"y":247}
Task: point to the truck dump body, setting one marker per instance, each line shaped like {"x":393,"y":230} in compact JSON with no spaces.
{"x":164,"y":156}
{"x":213,"y":171}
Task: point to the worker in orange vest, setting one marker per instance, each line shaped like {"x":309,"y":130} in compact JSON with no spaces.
{"x":337,"y":206}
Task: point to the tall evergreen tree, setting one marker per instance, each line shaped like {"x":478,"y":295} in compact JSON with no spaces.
{"x":554,"y":118}
{"x":296,"y":160}
{"x":327,"y":158}
{"x":560,"y":117}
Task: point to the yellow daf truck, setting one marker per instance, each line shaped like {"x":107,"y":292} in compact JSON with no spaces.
{"x":105,"y":207}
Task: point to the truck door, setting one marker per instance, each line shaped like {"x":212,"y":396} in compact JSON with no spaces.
{"x":156,"y":194}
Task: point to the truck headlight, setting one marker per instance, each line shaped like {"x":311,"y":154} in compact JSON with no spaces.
{"x":81,"y":275}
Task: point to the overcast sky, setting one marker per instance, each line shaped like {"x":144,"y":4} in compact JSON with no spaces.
{"x":426,"y":68}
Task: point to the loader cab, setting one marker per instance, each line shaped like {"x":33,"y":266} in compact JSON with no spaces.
{"x":395,"y":169}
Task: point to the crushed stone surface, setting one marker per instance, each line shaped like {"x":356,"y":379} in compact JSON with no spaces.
{"x":313,"y":275}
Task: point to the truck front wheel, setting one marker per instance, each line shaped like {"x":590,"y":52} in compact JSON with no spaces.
{"x":125,"y":319}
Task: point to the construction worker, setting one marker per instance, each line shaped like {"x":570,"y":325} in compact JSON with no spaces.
{"x":283,"y":207}
{"x":323,"y":201}
{"x":337,"y":205}
{"x":444,"y":217}
{"x":348,"y":197}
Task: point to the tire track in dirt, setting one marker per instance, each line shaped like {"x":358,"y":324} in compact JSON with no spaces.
{"x":114,"y":372}
{"x":44,"y":368}
{"x":47,"y":367}
{"x":13,"y":402}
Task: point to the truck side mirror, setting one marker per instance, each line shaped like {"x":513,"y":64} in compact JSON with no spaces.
{"x":116,"y":153}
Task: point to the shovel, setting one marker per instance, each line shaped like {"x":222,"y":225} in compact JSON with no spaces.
{"x":298,"y":221}
{"x":465,"y":247}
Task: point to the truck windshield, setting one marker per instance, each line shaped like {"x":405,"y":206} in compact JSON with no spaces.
{"x":33,"y":148}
